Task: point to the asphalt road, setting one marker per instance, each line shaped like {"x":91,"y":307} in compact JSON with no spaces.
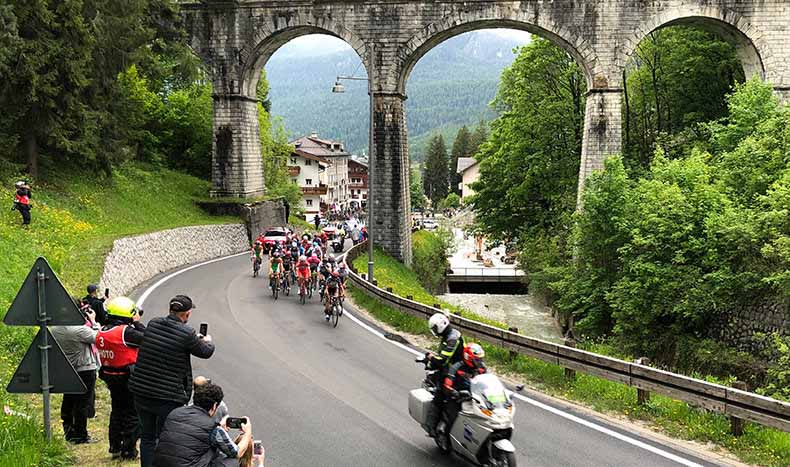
{"x":323,"y":396}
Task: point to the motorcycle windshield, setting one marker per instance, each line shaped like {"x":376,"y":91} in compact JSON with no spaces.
{"x":488,"y":387}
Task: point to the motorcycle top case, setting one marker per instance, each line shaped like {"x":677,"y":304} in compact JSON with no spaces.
{"x":420,"y":405}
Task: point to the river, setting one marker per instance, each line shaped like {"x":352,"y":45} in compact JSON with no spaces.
{"x":525,"y":312}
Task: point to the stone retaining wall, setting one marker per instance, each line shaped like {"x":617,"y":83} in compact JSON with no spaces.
{"x":134,"y":260}
{"x":738,"y":327}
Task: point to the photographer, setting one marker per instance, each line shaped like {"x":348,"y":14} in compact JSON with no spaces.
{"x":77,"y":344}
{"x":162,"y":377}
{"x":191,"y":436}
{"x":96,"y":303}
{"x":22,"y":201}
{"x":118,"y":343}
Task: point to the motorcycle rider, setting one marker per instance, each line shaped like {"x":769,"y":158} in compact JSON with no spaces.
{"x":459,"y":377}
{"x":118,"y":342}
{"x":451,"y":350}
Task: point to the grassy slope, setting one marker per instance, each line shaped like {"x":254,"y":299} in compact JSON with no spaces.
{"x":759,"y":445}
{"x":75,"y":221}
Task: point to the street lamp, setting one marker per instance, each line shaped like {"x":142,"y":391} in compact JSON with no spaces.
{"x":338,"y":88}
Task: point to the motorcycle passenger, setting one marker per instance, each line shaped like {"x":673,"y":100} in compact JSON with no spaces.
{"x":451,"y":350}
{"x":459,"y":378}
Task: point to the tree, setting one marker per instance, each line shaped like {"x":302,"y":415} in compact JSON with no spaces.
{"x":418,"y":200}
{"x":478,"y":137}
{"x":452,"y":201}
{"x":530,"y":162}
{"x":462,"y":147}
{"x":436,"y":176}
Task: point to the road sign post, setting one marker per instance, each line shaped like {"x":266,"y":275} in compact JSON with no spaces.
{"x":38,"y":305}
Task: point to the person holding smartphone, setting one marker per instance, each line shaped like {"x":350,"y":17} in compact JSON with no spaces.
{"x":191,"y":436}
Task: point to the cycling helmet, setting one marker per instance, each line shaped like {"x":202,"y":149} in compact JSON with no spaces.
{"x":19,"y":184}
{"x":277,"y":254}
{"x":121,"y":307}
{"x":438,"y":324}
{"x":473,"y":354}
{"x":331,"y":259}
{"x":303,"y":258}
{"x":342,"y":266}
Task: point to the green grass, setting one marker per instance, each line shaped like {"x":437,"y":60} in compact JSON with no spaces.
{"x":75,"y":220}
{"x":758,"y":445}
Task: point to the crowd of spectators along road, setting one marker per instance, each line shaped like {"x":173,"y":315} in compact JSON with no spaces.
{"x":148,"y":371}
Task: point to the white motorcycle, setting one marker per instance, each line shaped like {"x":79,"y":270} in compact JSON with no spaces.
{"x":482,"y":430}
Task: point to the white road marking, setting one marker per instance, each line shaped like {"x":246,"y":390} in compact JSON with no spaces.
{"x":161,"y":281}
{"x":538,"y":404}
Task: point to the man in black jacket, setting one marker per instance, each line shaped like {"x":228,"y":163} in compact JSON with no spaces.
{"x":96,"y":303}
{"x":162,"y":378}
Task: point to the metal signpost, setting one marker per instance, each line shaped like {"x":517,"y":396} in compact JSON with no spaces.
{"x":44,"y":368}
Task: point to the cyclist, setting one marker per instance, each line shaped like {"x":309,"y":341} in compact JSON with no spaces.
{"x":257,"y":255}
{"x":287,"y":269}
{"x":342,"y":274}
{"x":326,"y":269}
{"x":332,"y":290}
{"x":276,"y":265}
{"x":302,"y":268}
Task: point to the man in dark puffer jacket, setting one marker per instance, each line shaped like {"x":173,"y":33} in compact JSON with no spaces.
{"x":162,"y":378}
{"x":191,"y":436}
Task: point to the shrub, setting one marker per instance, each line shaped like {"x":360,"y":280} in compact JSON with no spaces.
{"x":430,"y":250}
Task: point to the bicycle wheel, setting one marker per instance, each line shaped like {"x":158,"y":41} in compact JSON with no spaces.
{"x":302,"y":295}
{"x":287,"y":288}
{"x":275,"y":289}
{"x":334,"y":317}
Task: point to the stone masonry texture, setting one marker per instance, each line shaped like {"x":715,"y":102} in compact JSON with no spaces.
{"x":135,"y":260}
{"x":235,"y":38}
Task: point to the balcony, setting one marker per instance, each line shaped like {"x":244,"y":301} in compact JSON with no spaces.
{"x":314,"y":190}
{"x":361,"y":185}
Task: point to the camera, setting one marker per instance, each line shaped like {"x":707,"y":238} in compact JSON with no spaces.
{"x":235,"y":423}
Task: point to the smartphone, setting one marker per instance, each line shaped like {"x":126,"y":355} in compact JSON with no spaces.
{"x":204,"y":329}
{"x":235,"y":423}
{"x":107,"y":292}
{"x":257,"y":449}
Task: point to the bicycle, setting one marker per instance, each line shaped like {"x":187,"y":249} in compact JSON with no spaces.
{"x":302,"y":291}
{"x":285,"y":284}
{"x":335,"y":310}
{"x":311,"y":284}
{"x":256,"y":267}
{"x":275,"y":285}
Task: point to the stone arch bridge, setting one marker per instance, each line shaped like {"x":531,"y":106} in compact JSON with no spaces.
{"x":235,"y":38}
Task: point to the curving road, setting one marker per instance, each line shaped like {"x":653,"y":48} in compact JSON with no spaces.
{"x":320,"y":396}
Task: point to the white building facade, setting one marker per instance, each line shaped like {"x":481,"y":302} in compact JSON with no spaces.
{"x":307,"y":170}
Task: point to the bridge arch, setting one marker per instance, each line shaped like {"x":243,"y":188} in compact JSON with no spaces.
{"x":434,"y":34}
{"x":752,"y":49}
{"x":274,"y":34}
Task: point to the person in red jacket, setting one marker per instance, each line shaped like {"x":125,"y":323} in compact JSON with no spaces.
{"x":118,"y":342}
{"x":22,"y":201}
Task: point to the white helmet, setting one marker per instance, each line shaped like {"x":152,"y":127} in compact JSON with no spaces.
{"x":438,"y":323}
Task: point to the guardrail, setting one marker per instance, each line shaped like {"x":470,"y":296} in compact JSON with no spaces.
{"x":737,"y":403}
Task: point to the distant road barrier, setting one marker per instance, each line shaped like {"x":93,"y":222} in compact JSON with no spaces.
{"x":483,"y":274}
{"x":737,"y":403}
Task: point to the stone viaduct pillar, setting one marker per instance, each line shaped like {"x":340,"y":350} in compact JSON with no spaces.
{"x":602,"y":131}
{"x":391,"y":223}
{"x":236,"y":164}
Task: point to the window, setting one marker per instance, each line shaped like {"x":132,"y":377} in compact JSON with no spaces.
{"x":293,"y":161}
{"x":308,"y":181}
{"x":308,"y":162}
{"x":309,"y":202}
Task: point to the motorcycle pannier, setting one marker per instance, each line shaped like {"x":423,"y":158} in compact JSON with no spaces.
{"x":420,"y":405}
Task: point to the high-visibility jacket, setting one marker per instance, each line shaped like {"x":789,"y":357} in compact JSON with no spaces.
{"x":114,"y":353}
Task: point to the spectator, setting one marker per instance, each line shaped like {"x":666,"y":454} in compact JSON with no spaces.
{"x":191,"y":436}
{"x":355,"y":233}
{"x":287,"y":207}
{"x":96,"y":303}
{"x":77,"y":344}
{"x":222,"y":410}
{"x":22,"y":201}
{"x":317,"y":221}
{"x":162,"y":378}
{"x":118,"y":343}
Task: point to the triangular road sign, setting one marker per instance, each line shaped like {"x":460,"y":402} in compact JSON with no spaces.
{"x":62,"y":376}
{"x":60,"y":308}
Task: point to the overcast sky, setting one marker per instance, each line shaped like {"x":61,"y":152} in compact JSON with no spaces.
{"x":318,"y":44}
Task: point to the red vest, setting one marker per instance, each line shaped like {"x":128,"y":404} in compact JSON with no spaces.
{"x":22,"y":199}
{"x":113,"y":351}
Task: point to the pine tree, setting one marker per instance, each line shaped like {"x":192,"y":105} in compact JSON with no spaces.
{"x":462,"y":147}
{"x":478,"y":137}
{"x":436,"y":175}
